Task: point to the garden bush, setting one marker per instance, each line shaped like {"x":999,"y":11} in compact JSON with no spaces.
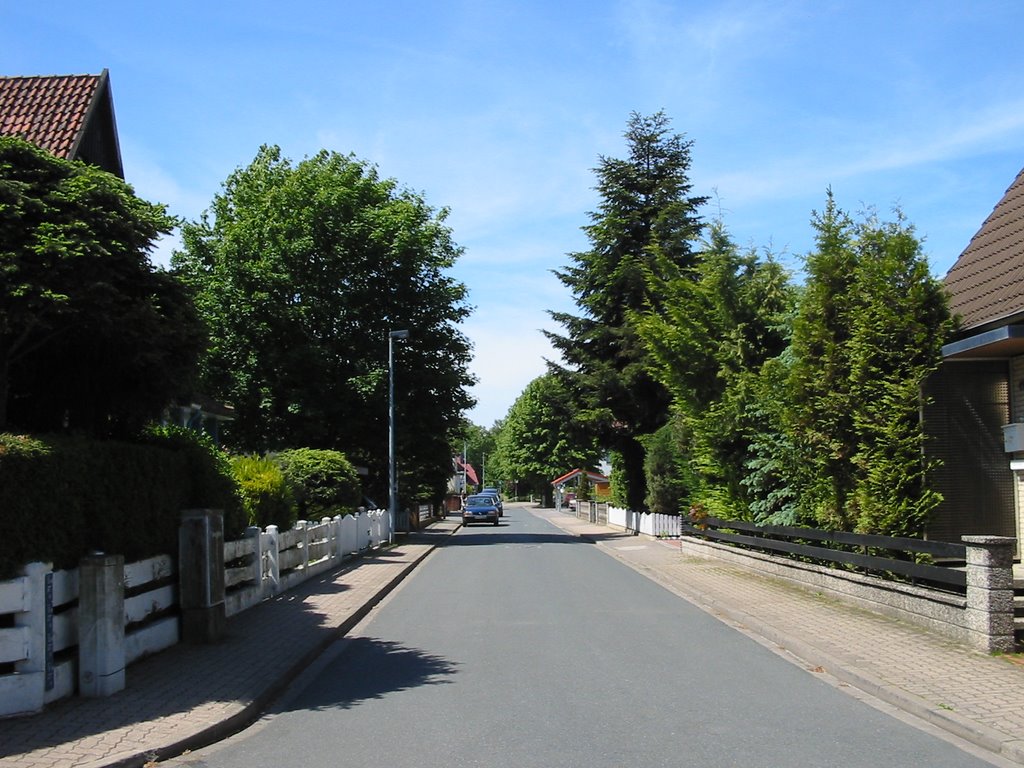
{"x":266,"y":496}
{"x":324,"y":483}
{"x":63,"y":497}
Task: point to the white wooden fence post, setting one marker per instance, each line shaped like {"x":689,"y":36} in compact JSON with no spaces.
{"x":337,"y":545}
{"x":303,"y":527}
{"x":253,"y":532}
{"x":273,"y":585}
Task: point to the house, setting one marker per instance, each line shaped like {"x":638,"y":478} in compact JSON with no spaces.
{"x":70,"y":116}
{"x":463,"y":477}
{"x":600,"y":484}
{"x":974,"y":416}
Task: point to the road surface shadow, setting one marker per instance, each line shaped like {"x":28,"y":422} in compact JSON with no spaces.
{"x":369,"y":668}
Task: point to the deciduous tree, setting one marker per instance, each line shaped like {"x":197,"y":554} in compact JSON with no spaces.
{"x":301,"y":270}
{"x":540,"y":439}
{"x":92,"y":337}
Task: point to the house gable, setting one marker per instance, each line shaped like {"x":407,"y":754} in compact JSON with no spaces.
{"x":70,"y":116}
{"x":986,"y":284}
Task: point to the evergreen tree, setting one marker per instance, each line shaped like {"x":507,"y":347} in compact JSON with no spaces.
{"x":822,"y":418}
{"x":646,"y":218}
{"x":895,"y":343}
{"x":720,"y":321}
{"x":869,"y":330}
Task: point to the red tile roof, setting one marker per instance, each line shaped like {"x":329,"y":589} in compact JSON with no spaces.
{"x":594,"y":477}
{"x":49,"y":111}
{"x":986,"y":284}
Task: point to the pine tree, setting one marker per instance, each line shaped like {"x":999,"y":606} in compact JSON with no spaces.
{"x":823,"y":405}
{"x":895,"y":343}
{"x":646,"y":218}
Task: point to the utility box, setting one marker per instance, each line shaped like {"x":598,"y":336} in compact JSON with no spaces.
{"x":1013,"y":437}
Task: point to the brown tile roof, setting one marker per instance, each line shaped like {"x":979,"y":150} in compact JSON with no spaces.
{"x":987,"y":282}
{"x":50,"y":111}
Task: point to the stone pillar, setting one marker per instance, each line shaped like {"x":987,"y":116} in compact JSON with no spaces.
{"x":101,"y":650}
{"x":990,"y":592}
{"x":201,"y":575}
{"x":34,"y":625}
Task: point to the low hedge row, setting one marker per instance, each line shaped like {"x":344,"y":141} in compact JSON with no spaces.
{"x":63,"y":497}
{"x":298,"y":484}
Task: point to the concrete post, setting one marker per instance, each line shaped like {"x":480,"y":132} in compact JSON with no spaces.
{"x":101,"y":648}
{"x":990,"y":592}
{"x":201,"y":575}
{"x":32,"y":620}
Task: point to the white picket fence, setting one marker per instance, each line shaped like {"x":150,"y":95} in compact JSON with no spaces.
{"x":39,"y":627}
{"x":648,"y":523}
{"x":264,"y":563}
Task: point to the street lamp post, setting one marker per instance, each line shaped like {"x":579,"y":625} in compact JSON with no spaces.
{"x":392,"y":474}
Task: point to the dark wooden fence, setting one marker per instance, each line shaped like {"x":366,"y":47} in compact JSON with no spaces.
{"x":907,"y":559}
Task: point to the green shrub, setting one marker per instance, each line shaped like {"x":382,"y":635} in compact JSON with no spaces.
{"x":266,"y":496}
{"x":324,"y":483}
{"x":37,"y":526}
{"x":62,"y":497}
{"x":210,"y":483}
{"x":66,"y":496}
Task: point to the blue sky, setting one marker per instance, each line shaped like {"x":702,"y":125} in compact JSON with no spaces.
{"x":500,"y":111}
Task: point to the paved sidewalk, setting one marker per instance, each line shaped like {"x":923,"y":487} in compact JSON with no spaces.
{"x":975,"y":696}
{"x":189,"y":696}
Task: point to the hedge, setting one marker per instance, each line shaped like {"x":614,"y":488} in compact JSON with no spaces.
{"x":63,"y":497}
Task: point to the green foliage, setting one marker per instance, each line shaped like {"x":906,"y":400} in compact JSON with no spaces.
{"x":665,"y":486}
{"x":323,"y":483}
{"x":91,"y":336}
{"x":478,"y":443}
{"x":210,"y":482}
{"x":63,"y":497}
{"x":775,"y":466}
{"x":869,"y":331}
{"x":646,"y":220}
{"x":895,"y":343}
{"x":540,"y":439}
{"x":823,"y":412}
{"x":301,"y":271}
{"x":804,"y":407}
{"x":266,"y":495}
{"x":583,"y":488}
{"x":719,"y":322}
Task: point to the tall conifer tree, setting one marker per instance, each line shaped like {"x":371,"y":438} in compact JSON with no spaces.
{"x":647,"y":217}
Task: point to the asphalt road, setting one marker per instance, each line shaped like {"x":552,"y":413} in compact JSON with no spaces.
{"x":520,"y":645}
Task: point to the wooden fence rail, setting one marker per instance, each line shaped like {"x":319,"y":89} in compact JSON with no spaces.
{"x":880,"y":555}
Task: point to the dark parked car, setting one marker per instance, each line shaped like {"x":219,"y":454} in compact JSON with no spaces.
{"x":480,"y":509}
{"x":497,"y":499}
